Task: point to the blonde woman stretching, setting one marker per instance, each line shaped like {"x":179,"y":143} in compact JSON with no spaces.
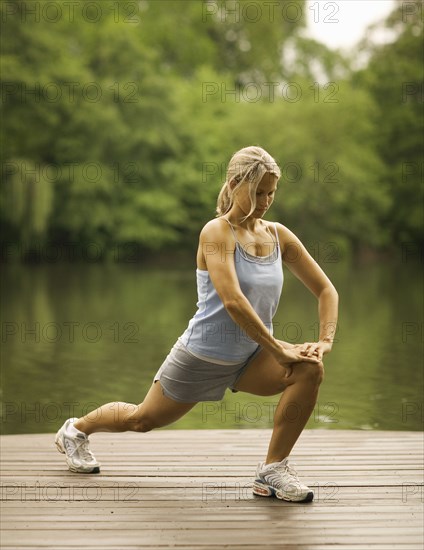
{"x":229,"y":342}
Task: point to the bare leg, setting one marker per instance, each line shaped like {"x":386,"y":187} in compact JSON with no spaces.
{"x":155,"y":411}
{"x":265,"y":376}
{"x":294,"y":408}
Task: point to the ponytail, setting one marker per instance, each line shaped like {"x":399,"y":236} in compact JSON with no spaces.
{"x":225,"y":200}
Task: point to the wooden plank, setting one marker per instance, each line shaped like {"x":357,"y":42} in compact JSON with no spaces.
{"x":341,"y":546}
{"x":92,"y":492}
{"x":202,"y":537}
{"x":167,"y":470}
{"x":343,"y":517}
{"x":139,"y":524}
{"x":88,"y":509}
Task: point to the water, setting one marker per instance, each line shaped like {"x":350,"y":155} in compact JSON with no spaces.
{"x":77,"y":336}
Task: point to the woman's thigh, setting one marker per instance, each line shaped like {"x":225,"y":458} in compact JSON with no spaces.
{"x":263,"y":376}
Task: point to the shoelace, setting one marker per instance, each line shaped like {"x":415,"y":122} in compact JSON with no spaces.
{"x":285,"y":470}
{"x":84,"y":451}
{"x":82,"y":447}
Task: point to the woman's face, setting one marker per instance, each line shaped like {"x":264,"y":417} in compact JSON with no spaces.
{"x":264,"y":196}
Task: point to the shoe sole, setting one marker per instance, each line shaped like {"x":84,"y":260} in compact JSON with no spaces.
{"x":263,"y":490}
{"x":72,"y":468}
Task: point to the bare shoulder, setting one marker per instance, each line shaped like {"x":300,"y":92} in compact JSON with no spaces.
{"x":286,"y":236}
{"x":215,"y":237}
{"x":216,"y":229}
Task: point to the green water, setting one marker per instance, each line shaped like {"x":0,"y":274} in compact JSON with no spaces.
{"x":77,"y":336}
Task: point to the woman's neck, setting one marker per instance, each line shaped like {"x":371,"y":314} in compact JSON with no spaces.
{"x":236,"y":217}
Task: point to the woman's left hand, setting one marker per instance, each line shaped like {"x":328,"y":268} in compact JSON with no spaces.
{"x":315,"y":348}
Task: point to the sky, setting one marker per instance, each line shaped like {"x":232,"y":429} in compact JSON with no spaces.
{"x":342,"y":23}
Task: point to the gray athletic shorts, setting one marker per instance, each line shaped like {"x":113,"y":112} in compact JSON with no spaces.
{"x":188,"y":379}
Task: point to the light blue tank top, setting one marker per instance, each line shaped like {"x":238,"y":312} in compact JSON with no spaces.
{"x":211,"y":332}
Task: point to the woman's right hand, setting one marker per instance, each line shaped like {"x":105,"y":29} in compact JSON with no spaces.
{"x":287,"y":356}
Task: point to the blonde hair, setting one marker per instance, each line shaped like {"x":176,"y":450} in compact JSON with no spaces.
{"x":247,"y":166}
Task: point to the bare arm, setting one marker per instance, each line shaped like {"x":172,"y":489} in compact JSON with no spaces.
{"x":305,"y":268}
{"x":217,"y":247}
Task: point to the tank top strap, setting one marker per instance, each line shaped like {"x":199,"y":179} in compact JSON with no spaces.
{"x":277,"y":241}
{"x":276,"y":234}
{"x":232,"y":228}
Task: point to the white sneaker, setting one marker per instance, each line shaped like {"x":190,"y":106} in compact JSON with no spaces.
{"x":78,"y":455}
{"x":280,"y":479}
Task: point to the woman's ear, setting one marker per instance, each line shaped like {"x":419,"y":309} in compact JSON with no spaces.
{"x":233,"y":183}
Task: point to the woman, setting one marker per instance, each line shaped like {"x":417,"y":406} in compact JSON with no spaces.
{"x":229,"y":342}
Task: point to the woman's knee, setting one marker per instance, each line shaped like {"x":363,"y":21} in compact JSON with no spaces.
{"x":310,"y":372}
{"x":138,"y":421}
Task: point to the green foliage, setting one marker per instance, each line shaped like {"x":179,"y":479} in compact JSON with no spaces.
{"x":395,"y":80}
{"x":120,"y":130}
{"x":245,"y":38}
{"x":27,"y":199}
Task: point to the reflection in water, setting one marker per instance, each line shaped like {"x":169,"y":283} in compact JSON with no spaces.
{"x":77,"y":336}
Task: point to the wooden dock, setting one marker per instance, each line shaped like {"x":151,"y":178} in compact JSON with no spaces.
{"x":192,"y":489}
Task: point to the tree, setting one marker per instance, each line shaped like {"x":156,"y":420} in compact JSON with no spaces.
{"x":395,"y":78}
